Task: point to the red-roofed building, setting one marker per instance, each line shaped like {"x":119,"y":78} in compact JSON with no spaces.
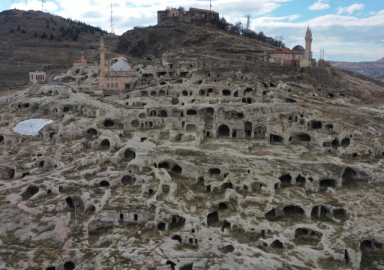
{"x":79,"y":62}
{"x":287,"y":57}
{"x":298,"y":56}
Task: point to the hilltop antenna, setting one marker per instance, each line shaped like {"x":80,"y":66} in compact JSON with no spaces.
{"x":42,"y":5}
{"x":112,"y":30}
{"x":210,"y":4}
{"x":248,"y":21}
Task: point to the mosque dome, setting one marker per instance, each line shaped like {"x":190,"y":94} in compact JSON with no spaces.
{"x":298,"y":48}
{"x":121,"y":65}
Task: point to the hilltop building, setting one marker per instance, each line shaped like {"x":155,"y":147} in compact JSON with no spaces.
{"x":37,"y":77}
{"x":298,"y":56}
{"x":193,"y":15}
{"x":119,"y":78}
{"x":79,"y":62}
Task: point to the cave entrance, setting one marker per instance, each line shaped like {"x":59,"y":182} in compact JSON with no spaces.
{"x":293,"y":211}
{"x":227,"y":185}
{"x":109,"y":123}
{"x":161,"y":226}
{"x":104,"y":183}
{"x":92,"y":131}
{"x":285,"y":180}
{"x":340,"y":214}
{"x":300,"y":180}
{"x":172,"y":264}
{"x":223,"y":131}
{"x":259,"y":132}
{"x":129,"y":154}
{"x":177,"y":221}
{"x":105,"y":144}
{"x":319,"y":212}
{"x":69,"y":266}
{"x":327,"y":183}
{"x":31,"y":190}
{"x":276,"y":139}
{"x":248,"y":129}
{"x":214,"y":171}
{"x":127,"y":180}
{"x":271,"y":215}
{"x":277,"y":244}
{"x":213,"y":219}
{"x":177,"y":169}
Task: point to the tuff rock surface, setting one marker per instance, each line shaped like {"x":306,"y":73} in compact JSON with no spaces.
{"x":205,"y":165}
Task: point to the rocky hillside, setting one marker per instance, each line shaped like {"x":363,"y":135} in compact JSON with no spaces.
{"x":373,"y":69}
{"x":33,"y":40}
{"x":204,"y":39}
{"x":215,"y":160}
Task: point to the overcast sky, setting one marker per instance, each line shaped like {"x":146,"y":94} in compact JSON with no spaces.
{"x":348,"y":30}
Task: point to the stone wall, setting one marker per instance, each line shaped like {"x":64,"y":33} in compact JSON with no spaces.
{"x":193,"y":15}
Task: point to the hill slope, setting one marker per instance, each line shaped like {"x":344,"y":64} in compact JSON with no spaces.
{"x":205,"y":39}
{"x":373,"y":69}
{"x":33,"y":40}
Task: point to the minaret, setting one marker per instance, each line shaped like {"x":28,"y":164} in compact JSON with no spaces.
{"x":103,"y":73}
{"x":308,"y":45}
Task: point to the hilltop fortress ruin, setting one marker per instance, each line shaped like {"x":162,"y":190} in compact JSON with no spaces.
{"x":193,"y":15}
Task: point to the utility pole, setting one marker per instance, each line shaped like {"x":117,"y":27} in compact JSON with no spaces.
{"x":112,"y":30}
{"x":75,"y":204}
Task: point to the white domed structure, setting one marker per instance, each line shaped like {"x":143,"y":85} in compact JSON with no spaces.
{"x":121,"y":65}
{"x":119,"y":78}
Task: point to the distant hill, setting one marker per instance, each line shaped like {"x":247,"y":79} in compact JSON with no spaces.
{"x":33,"y":40}
{"x":374,"y":69}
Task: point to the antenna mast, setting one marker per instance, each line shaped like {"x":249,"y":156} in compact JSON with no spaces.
{"x":112,"y":30}
{"x":42,"y":5}
{"x":210,"y":4}
{"x":248,"y":21}
{"x":322,"y":53}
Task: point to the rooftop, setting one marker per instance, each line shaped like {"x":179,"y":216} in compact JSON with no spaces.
{"x":121,"y":65}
